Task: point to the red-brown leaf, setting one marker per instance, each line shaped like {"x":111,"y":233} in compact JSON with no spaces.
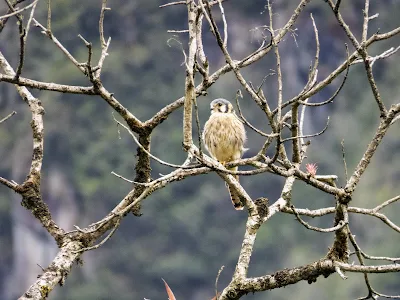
{"x":171,"y":295}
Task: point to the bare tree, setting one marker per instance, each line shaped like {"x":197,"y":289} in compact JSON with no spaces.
{"x":286,"y":118}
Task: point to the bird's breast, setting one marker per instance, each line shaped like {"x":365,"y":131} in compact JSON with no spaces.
{"x":224,"y":137}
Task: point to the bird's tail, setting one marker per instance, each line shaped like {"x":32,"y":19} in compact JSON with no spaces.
{"x":235,"y":197}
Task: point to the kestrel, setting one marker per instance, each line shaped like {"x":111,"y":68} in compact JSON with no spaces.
{"x":224,"y":137}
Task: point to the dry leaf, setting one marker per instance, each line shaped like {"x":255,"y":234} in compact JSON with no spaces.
{"x":171,"y":295}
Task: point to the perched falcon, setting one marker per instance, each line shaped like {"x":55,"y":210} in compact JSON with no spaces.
{"x":224,"y":136}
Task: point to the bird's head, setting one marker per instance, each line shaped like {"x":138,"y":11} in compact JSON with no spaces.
{"x":221,"y":106}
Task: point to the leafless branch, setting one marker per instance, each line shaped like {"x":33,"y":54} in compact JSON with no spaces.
{"x":285,"y":116}
{"x":341,"y":224}
{"x":126,"y":179}
{"x":344,"y":162}
{"x":16,"y":12}
{"x":221,"y":8}
{"x":362,"y":50}
{"x":249,"y":124}
{"x":7,"y":117}
{"x":23,"y":36}
{"x":29,"y":190}
{"x":116,"y":226}
{"x":190,"y":93}
{"x":49,"y":86}
{"x":216,"y":282}
{"x":371,"y":149}
{"x":49,"y":15}
{"x":145,"y":150}
{"x":308,"y":135}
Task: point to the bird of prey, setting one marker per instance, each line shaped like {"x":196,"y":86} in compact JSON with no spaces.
{"x":224,"y":137}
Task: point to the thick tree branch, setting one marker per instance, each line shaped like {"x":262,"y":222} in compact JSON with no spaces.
{"x":30,"y":189}
{"x":56,"y":273}
{"x":190,"y":92}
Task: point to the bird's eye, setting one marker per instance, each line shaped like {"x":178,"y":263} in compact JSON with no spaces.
{"x":219,"y":104}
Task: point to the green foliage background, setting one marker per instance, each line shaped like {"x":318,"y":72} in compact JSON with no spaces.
{"x":189,"y":230}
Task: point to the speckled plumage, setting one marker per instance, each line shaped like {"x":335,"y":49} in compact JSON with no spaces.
{"x":224,"y":137}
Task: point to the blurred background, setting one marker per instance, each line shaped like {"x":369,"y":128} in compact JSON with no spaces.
{"x":189,"y":229}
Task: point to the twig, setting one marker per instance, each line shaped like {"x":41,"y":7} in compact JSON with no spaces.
{"x":362,"y":50}
{"x":147,"y":152}
{"x":103,"y":241}
{"x":366,"y":21}
{"x":337,"y":5}
{"x":383,"y":55}
{"x":7,"y":117}
{"x":101,"y":23}
{"x":308,"y":135}
{"x":103,"y":43}
{"x":21,"y":56}
{"x":88,"y":65}
{"x":221,"y":8}
{"x":49,"y":15}
{"x":278,"y":128}
{"x":190,"y":93}
{"x":126,"y":179}
{"x":264,"y":37}
{"x":23,"y":39}
{"x":368,"y":269}
{"x":16,"y":12}
{"x":60,"y":46}
{"x":361,"y":260}
{"x":344,"y":161}
{"x":301,"y":125}
{"x":371,"y":149}
{"x":184,"y":2}
{"x":172,"y":3}
{"x":340,"y":225}
{"x":363,"y":254}
{"x":9,"y":184}
{"x":312,"y":77}
{"x":356,"y":210}
{"x":216,"y":282}
{"x":200,"y":140}
{"x":271,"y":135}
{"x":386,"y":203}
{"x":337,"y":90}
{"x":49,"y":86}
{"x":11,"y":7}
{"x":337,"y":269}
{"x":202,"y":65}
{"x":178,"y":31}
